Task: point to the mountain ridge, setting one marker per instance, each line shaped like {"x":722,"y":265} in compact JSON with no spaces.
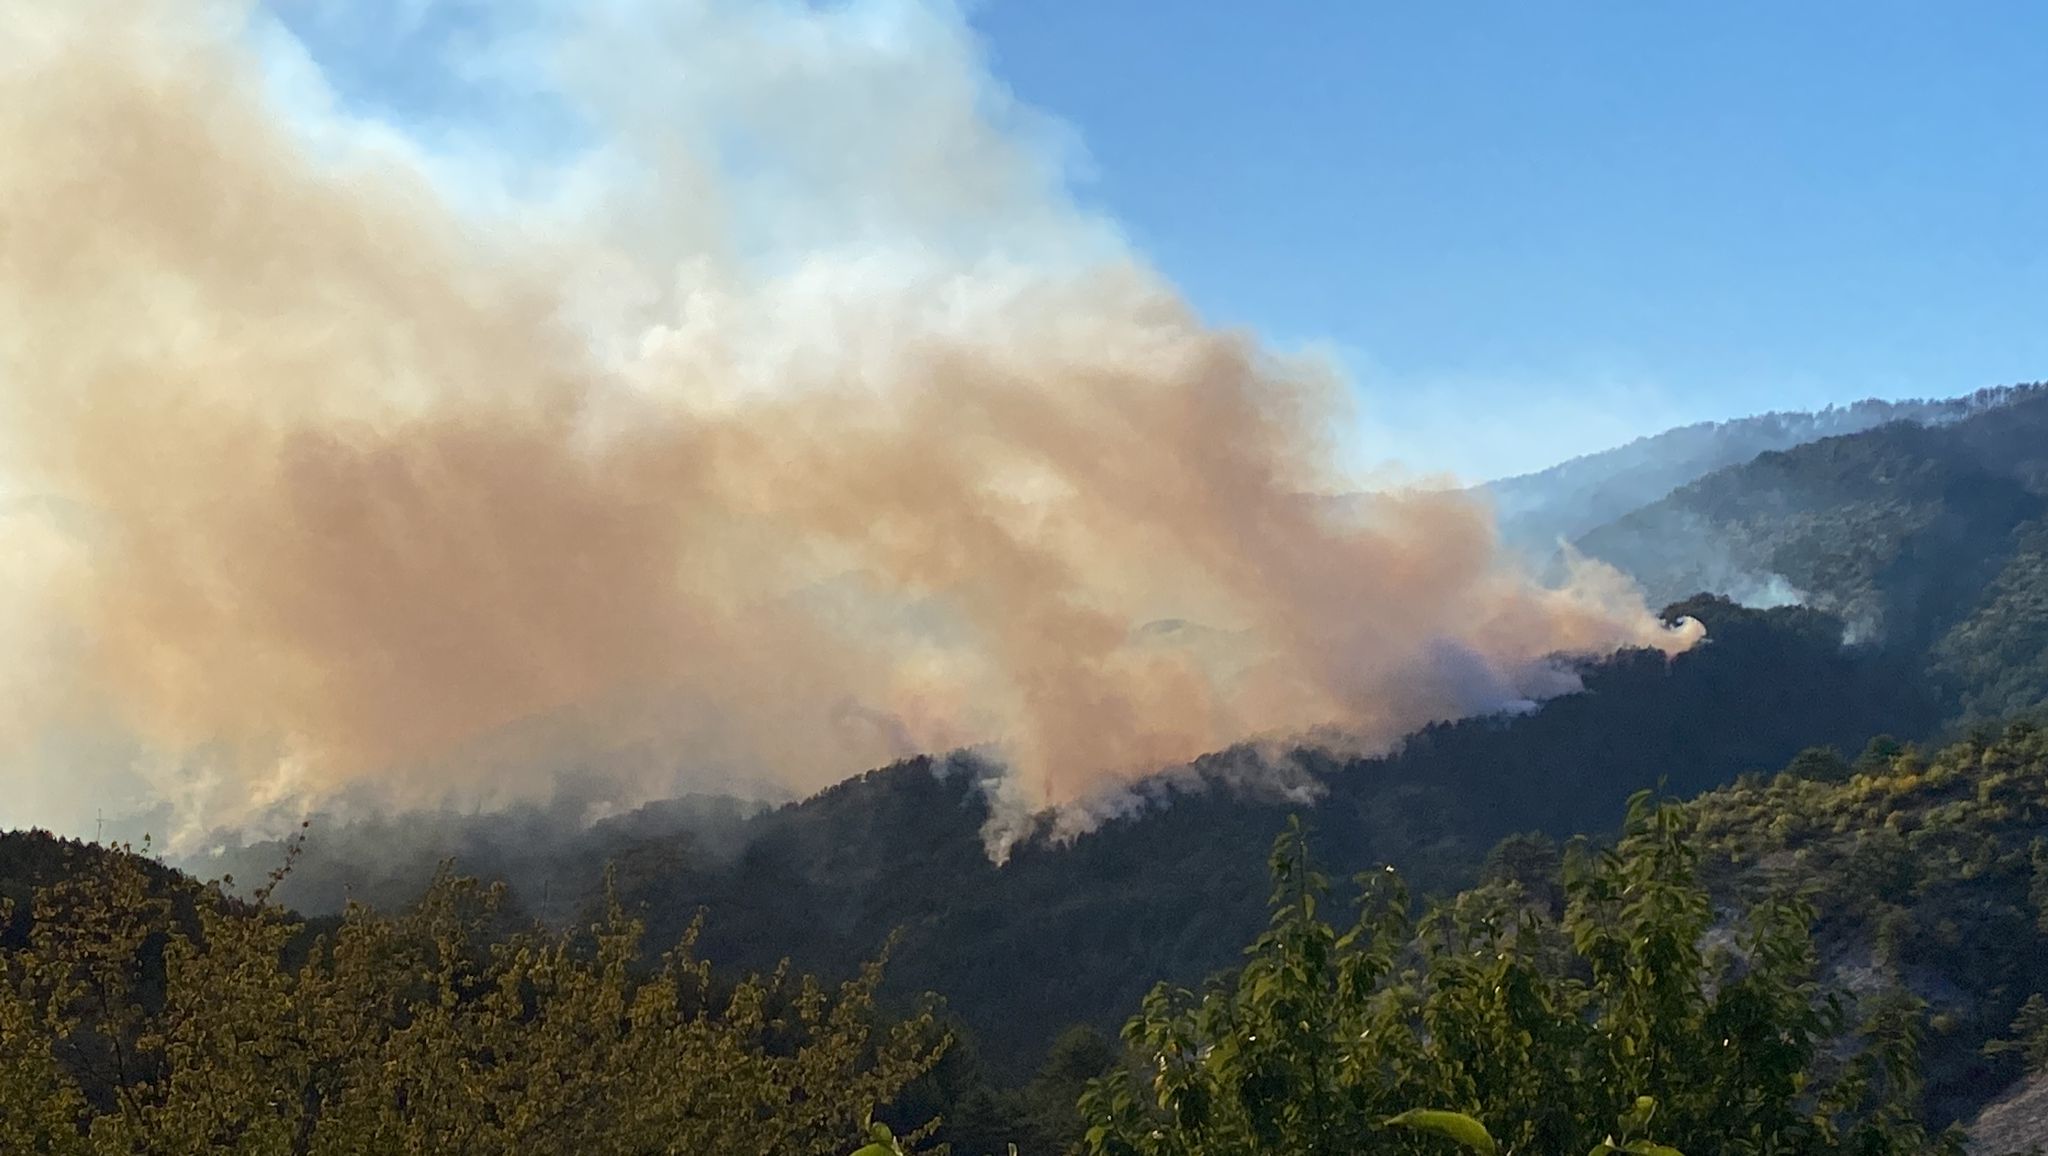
{"x":1928,"y":539}
{"x":1077,"y":930}
{"x":1562,"y":502}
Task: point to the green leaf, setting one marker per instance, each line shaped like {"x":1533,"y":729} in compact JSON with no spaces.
{"x":1450,"y":1125}
{"x":1608,"y":1147}
{"x":884,"y":1142}
{"x":1639,"y":1116}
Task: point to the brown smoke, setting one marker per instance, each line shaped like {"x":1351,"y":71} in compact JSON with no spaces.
{"x":346,"y":496}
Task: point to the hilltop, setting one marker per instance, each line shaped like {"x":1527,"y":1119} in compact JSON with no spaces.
{"x":1928,"y":541}
{"x":1538,"y":510}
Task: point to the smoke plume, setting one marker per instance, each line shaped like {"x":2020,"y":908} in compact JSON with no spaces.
{"x":780,"y":419}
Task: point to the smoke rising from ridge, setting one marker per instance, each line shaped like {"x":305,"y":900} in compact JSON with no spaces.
{"x":790,"y":423}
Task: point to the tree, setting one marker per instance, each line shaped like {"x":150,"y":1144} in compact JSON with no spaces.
{"x":123,"y":1030}
{"x":1603,"y":1026}
{"x":2029,"y":1035}
{"x":1821,"y":764}
{"x":1878,"y":754}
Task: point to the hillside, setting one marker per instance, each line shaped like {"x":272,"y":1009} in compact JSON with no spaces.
{"x":1928,"y":874}
{"x":1077,"y":932}
{"x":32,"y":861}
{"x":1926,"y":540}
{"x":1538,"y":510}
{"x":1928,"y":871}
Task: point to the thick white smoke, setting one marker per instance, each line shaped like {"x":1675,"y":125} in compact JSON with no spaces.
{"x":768,"y":413}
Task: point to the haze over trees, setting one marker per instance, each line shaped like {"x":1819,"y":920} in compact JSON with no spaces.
{"x":1868,"y":855}
{"x":1537,"y":510}
{"x":1597,"y":1001}
{"x":1925,"y":540}
{"x":1077,"y":931}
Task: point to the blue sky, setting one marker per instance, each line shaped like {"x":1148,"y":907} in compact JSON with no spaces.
{"x":1584,"y":218}
{"x":1530,"y":230}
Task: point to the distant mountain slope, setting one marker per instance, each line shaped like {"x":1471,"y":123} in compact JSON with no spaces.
{"x":385,"y":860}
{"x":1928,"y":539}
{"x":1561,"y":503}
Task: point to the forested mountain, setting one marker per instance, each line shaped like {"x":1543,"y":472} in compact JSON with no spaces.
{"x":1926,"y":540}
{"x":1919,"y":549}
{"x":1540,"y":509}
{"x":1923,"y":538}
{"x":1891,"y":911}
{"x":1076,"y":932}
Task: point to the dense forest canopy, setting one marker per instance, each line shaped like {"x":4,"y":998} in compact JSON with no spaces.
{"x":1576,"y":998}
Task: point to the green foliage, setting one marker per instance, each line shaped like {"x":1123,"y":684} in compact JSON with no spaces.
{"x":1077,"y":932}
{"x":2029,"y":1034}
{"x":1632,"y":1021}
{"x":1822,"y":763}
{"x":1878,"y":754}
{"x":2037,"y":890}
{"x":1454,"y":1126}
{"x":1995,"y":660}
{"x":1928,"y":871}
{"x":123,"y":1031}
{"x":881,"y":1142}
{"x":1577,"y":1000}
{"x":1531,"y":863}
{"x":977,"y":1114}
{"x":1470,"y":1134}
